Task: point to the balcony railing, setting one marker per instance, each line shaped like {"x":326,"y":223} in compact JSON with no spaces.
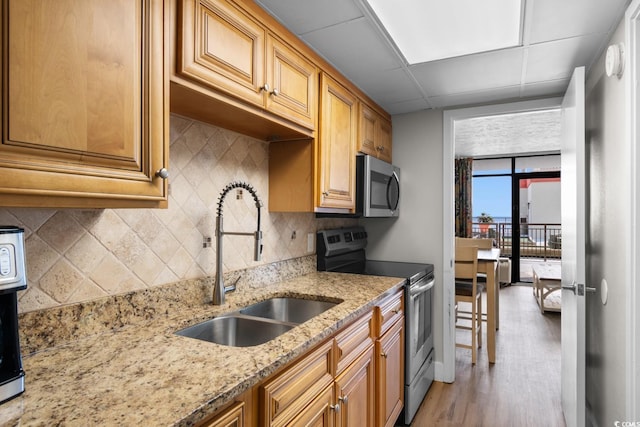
{"x":537,"y":240}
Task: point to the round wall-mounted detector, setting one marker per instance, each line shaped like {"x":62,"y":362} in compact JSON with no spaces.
{"x":614,"y":60}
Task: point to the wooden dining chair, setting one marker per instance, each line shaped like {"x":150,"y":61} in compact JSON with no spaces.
{"x":468,"y":290}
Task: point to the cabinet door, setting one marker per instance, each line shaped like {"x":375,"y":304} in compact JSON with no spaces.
{"x":84,"y":106}
{"x":367,"y":130}
{"x":383,"y":139}
{"x":232,"y":417}
{"x":374,"y":137}
{"x":319,"y":413}
{"x":390,"y":375}
{"x":223,"y":48}
{"x":356,"y":393}
{"x":338,"y":132}
{"x":284,"y":397}
{"x":293,"y":84}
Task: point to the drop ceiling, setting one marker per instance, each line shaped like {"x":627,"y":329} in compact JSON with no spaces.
{"x":557,"y":36}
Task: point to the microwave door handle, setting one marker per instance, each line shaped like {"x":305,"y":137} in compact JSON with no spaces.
{"x":392,"y":179}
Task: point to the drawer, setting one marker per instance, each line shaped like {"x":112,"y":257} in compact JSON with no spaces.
{"x":351,"y":342}
{"x":388,"y":312}
{"x":286,"y":395}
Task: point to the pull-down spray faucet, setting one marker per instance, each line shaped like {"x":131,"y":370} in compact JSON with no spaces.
{"x":220,"y":289}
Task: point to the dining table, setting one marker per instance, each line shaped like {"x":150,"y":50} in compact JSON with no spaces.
{"x":488,"y":264}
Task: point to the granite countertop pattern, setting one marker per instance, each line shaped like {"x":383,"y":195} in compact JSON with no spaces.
{"x":144,"y":374}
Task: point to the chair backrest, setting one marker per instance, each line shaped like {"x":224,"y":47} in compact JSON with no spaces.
{"x":466,"y":263}
{"x":479,"y":243}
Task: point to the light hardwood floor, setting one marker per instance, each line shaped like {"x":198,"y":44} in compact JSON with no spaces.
{"x":521,"y":389}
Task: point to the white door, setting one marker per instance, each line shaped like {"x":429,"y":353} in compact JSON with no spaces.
{"x":573,"y":251}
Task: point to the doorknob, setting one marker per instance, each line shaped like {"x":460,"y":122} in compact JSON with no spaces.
{"x":578,"y":288}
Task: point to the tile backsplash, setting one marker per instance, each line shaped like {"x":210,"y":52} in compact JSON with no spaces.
{"x":80,"y":255}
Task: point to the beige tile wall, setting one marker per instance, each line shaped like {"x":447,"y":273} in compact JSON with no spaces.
{"x":80,"y":255}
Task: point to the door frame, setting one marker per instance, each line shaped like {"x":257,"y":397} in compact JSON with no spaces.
{"x":447,"y":372}
{"x":632,"y":42}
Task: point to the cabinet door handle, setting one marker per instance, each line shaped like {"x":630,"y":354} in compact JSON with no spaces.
{"x":275,"y":92}
{"x":335,"y":407}
{"x":325,"y":193}
{"x":266,"y":87}
{"x":383,"y":354}
{"x":395,"y":311}
{"x":162,"y":173}
{"x":344,"y":399}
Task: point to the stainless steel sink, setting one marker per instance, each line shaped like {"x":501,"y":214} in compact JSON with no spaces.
{"x":235,"y":331}
{"x":290,"y":310}
{"x":258,"y":323}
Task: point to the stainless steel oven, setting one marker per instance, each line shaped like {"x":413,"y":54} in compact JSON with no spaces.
{"x":343,"y":250}
{"x":420,"y":369}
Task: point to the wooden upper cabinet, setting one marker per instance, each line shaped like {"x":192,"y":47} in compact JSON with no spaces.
{"x":337,"y":145}
{"x":293,"y":84}
{"x":374,"y":137}
{"x":85,"y":103}
{"x":224,"y":48}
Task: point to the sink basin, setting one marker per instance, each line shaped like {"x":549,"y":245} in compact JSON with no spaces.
{"x":235,"y":331}
{"x":258,"y":323}
{"x":290,"y":310}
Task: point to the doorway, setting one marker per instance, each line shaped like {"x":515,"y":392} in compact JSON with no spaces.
{"x":451,"y":117}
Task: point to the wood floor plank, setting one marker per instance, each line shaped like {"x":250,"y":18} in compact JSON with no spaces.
{"x":521,"y":389}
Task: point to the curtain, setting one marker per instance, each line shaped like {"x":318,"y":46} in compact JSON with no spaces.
{"x":463,"y":179}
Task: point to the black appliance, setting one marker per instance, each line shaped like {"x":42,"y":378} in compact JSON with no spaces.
{"x":12,"y":279}
{"x":343,"y":250}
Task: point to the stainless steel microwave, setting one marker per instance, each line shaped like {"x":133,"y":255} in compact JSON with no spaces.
{"x":377,"y":187}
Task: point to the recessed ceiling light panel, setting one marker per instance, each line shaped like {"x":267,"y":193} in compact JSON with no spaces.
{"x":428,"y":30}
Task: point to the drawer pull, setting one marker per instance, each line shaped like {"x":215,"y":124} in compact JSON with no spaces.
{"x":395,"y":310}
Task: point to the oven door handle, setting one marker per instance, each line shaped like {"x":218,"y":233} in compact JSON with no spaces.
{"x":414,"y":291}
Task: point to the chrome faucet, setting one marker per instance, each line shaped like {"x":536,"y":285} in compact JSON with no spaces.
{"x":220,"y":289}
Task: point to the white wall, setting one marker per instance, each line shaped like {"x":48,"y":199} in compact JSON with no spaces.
{"x":416,"y":235}
{"x":608,"y":171}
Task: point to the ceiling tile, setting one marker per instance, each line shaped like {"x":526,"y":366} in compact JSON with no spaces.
{"x":475,"y":97}
{"x":558,"y":87}
{"x":556,"y":60}
{"x":407,"y":106}
{"x":553,"y":19}
{"x":470,"y":73}
{"x":355,"y":48}
{"x":301,"y":17}
{"x":388,"y":87}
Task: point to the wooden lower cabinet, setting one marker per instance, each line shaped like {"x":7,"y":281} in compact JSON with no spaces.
{"x":231,"y":417}
{"x":320,"y":412}
{"x":355,"y":392}
{"x":354,"y":379}
{"x":289,"y":393}
{"x":389,"y":350}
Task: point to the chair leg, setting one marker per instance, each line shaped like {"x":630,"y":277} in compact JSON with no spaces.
{"x":480,"y":322}
{"x":474,"y":337}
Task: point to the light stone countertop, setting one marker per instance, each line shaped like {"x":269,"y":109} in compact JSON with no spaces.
{"x":144,"y":374}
